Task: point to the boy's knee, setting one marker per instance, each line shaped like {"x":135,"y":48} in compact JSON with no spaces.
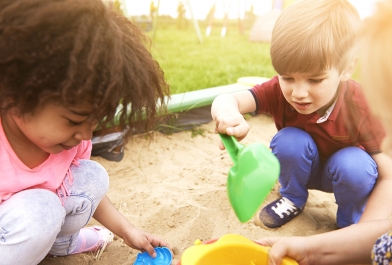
{"x":351,"y":160}
{"x":293,"y":141}
{"x":355,"y":167}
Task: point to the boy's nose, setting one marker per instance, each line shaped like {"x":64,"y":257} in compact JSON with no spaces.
{"x":299,"y":91}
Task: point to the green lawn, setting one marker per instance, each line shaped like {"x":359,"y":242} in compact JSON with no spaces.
{"x":190,"y":65}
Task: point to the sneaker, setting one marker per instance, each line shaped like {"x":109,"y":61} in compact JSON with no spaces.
{"x":95,"y":238}
{"x":277,"y":213}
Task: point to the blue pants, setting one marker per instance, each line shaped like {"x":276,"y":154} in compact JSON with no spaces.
{"x":34,"y":223}
{"x":349,"y":173}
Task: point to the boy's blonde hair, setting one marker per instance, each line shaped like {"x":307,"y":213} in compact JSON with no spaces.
{"x":312,"y":36}
{"x":376,"y":59}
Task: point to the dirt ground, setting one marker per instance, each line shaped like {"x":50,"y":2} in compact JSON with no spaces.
{"x":174,"y":186}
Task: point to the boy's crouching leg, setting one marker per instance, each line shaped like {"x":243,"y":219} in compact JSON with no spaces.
{"x":299,"y":160}
{"x":353,"y":174}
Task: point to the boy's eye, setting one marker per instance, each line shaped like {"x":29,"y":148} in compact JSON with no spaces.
{"x":316,"y":81}
{"x":287,"y":78}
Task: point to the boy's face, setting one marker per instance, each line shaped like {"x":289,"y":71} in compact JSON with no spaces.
{"x":308,"y":93}
{"x":55,"y":128}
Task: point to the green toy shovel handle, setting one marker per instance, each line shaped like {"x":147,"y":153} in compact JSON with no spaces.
{"x":232,"y":146}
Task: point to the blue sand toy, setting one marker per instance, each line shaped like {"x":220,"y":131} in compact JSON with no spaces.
{"x":164,"y":257}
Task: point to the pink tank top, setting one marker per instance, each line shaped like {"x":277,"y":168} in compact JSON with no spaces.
{"x":16,"y":176}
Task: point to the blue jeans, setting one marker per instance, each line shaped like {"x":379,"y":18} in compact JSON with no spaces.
{"x":34,"y":223}
{"x":349,"y":173}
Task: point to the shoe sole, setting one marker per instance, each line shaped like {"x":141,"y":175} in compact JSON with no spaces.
{"x":260,"y":223}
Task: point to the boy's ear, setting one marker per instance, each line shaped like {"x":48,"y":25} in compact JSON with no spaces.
{"x":348,"y":71}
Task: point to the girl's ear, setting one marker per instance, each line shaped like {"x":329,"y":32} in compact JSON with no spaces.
{"x":5,"y":102}
{"x":14,"y":111}
{"x":348,"y":71}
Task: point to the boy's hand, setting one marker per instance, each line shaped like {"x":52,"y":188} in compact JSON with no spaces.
{"x":226,"y":111}
{"x":231,"y":123}
{"x":143,"y":241}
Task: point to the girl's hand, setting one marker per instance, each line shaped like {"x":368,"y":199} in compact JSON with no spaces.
{"x":294,"y":247}
{"x":143,"y":241}
{"x":113,"y":220}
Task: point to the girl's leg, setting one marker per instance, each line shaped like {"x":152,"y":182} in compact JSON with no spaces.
{"x":90,"y":184}
{"x":299,"y":162}
{"x":29,"y":223}
{"x":351,"y":174}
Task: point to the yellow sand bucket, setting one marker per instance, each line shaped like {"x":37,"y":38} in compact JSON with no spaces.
{"x":230,"y":249}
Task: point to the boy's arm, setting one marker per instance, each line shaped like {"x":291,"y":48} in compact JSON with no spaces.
{"x":227,"y":110}
{"x":379,"y":206}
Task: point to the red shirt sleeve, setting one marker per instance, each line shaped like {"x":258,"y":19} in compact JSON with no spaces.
{"x":268,"y":97}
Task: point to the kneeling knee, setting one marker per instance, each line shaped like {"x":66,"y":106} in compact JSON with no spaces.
{"x":94,"y":174}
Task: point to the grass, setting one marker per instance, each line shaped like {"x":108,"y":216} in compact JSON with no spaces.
{"x":190,"y":65}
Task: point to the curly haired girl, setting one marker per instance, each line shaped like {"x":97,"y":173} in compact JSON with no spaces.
{"x":66,"y":67}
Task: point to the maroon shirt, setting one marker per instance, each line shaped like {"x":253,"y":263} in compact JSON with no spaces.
{"x":349,"y":124}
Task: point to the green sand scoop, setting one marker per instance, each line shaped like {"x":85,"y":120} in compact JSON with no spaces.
{"x":251,"y":178}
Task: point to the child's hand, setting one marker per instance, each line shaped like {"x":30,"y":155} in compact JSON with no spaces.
{"x":143,"y":241}
{"x":231,"y":123}
{"x":294,"y":247}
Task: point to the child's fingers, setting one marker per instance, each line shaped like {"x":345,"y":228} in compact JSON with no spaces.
{"x":164,"y":244}
{"x":227,"y":120}
{"x":151,"y":251}
{"x":267,"y":241}
{"x":156,"y":242}
{"x":239,"y":131}
{"x":276,"y":255}
{"x":147,"y":244}
{"x":160,"y":243}
{"x":221,"y":146}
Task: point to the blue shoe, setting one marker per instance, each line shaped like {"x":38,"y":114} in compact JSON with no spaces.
{"x":277,"y":213}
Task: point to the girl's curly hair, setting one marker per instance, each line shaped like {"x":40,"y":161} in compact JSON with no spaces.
{"x":77,"y":51}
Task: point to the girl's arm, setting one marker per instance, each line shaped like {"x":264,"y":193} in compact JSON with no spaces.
{"x":113,"y":220}
{"x":350,"y":245}
{"x":378,"y":205}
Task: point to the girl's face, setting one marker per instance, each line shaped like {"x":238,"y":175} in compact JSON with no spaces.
{"x":308,"y":93}
{"x":55,"y":128}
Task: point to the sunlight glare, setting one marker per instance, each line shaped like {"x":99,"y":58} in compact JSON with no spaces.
{"x":235,"y":8}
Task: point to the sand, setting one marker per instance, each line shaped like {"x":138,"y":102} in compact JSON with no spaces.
{"x":174,"y":186}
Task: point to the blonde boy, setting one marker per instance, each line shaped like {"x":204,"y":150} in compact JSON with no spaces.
{"x":352,"y":245}
{"x":327,"y":138}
